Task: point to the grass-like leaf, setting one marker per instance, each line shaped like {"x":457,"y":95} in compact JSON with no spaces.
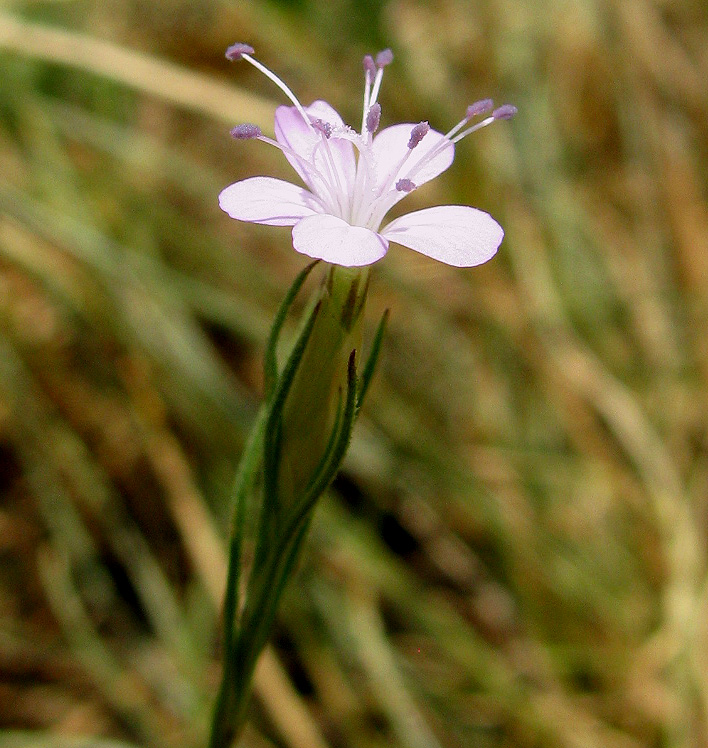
{"x":370,"y":365}
{"x":270,"y":364}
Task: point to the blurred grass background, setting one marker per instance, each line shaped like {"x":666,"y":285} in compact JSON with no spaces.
{"x":515,"y":553}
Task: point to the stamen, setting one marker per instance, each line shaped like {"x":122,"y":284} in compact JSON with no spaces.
{"x":479,"y":107}
{"x":405,"y":185}
{"x":243,"y":54}
{"x":417,"y":134}
{"x":373,"y":118}
{"x":435,"y":151}
{"x":505,"y":111}
{"x":246,"y":131}
{"x":383,"y":58}
{"x":380,"y":202}
{"x":369,"y":74}
{"x":322,"y":127}
{"x":484,"y":123}
{"x":473,"y":110}
{"x":235,"y":51}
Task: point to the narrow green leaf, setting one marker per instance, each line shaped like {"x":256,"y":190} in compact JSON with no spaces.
{"x":271,"y":441}
{"x":270,"y":363}
{"x":370,"y":365}
{"x":272,"y":430}
{"x":274,"y":592}
{"x":243,"y":483}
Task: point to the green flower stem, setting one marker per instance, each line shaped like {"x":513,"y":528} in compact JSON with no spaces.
{"x":300,"y":437}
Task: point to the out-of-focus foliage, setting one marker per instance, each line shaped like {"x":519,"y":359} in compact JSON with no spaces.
{"x":515,"y":554}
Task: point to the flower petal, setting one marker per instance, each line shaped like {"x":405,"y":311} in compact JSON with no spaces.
{"x":391,"y":145}
{"x":268,"y":200}
{"x":292,"y":131}
{"x":454,"y":234}
{"x":331,"y":239}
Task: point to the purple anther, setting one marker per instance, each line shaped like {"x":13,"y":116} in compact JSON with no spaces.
{"x":246,"y":131}
{"x":479,"y":107}
{"x":505,"y":111}
{"x":383,"y":58}
{"x":373,"y":118}
{"x":405,"y":185}
{"x":235,"y":51}
{"x":369,"y":65}
{"x":322,"y":127}
{"x":418,"y":133}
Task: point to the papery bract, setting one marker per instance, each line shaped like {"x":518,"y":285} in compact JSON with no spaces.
{"x":354,"y":178}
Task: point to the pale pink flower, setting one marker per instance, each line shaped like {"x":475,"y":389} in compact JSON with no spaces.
{"x":338,"y":216}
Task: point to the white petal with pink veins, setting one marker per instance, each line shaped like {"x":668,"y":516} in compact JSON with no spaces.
{"x":331,"y":239}
{"x":269,"y":201}
{"x":454,"y":234}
